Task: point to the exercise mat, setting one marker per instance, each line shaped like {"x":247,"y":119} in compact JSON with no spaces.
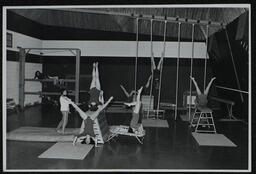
{"x":65,"y":150}
{"x":204,"y":139}
{"x":154,"y":123}
{"x":42,"y":134}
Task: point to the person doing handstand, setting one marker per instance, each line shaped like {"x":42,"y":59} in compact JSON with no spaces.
{"x":201,"y":98}
{"x":135,"y":126}
{"x":96,"y":94}
{"x":86,"y":130}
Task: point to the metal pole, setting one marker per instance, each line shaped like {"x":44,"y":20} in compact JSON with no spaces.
{"x":137,"y":53}
{"x":234,"y":66}
{"x":78,"y":53}
{"x":161,"y":72}
{"x":177,"y":73}
{"x":152,"y":74}
{"x":22,"y":59}
{"x":206,"y":55}
{"x":191,"y":72}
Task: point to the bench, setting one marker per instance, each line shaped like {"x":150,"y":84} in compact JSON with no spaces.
{"x":229,"y":104}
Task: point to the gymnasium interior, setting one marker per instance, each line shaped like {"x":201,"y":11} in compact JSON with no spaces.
{"x":208,"y":44}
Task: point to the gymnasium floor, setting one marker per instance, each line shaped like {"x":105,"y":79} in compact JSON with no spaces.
{"x":163,"y":148}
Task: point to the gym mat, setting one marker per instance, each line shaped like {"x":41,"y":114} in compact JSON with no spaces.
{"x":204,"y":139}
{"x":65,"y":150}
{"x":155,"y":123}
{"x":42,"y":134}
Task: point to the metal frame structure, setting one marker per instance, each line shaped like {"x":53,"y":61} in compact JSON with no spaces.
{"x":22,"y":60}
{"x":179,"y":22}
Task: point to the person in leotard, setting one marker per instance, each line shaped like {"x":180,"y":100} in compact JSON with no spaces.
{"x":96,"y":94}
{"x":155,"y":72}
{"x":201,"y":98}
{"x":135,"y":124}
{"x":86,"y":132}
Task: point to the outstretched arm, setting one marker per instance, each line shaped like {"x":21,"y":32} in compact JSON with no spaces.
{"x":96,"y":113}
{"x":159,"y":66}
{"x":130,"y":104}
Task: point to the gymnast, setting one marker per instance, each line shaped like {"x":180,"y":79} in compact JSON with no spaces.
{"x":86,"y":131}
{"x":96,"y":94}
{"x":135,"y":126}
{"x":64,"y":108}
{"x":130,"y":95}
{"x":156,"y":78}
{"x":201,"y":98}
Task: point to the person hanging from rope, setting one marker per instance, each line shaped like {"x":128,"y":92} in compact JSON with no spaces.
{"x":201,"y":98}
{"x":155,"y":72}
{"x":96,"y":94}
{"x":86,"y":133}
{"x":135,"y":124}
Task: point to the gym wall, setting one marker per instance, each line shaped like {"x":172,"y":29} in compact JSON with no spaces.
{"x":116,"y":65}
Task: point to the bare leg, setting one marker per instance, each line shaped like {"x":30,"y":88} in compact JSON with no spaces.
{"x":60,"y":124}
{"x":97,"y":77}
{"x":124,"y":90}
{"x":65,"y":121}
{"x":153,"y":65}
{"x":197,"y":88}
{"x":206,"y":91}
{"x":147,"y":84}
{"x":93,"y":77}
{"x":161,"y":61}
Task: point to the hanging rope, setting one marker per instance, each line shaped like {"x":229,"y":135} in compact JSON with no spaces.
{"x":137,"y":52}
{"x":152,"y":74}
{"x":177,"y":73}
{"x":206,"y":55}
{"x":191,"y":71}
{"x":161,"y":71}
{"x":234,"y":66}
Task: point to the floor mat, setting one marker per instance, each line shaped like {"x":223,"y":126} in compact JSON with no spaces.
{"x":43,"y":134}
{"x":65,"y":150}
{"x":204,"y":139}
{"x":155,"y":123}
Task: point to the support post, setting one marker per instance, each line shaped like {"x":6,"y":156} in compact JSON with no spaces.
{"x":22,"y":58}
{"x":177,"y":73}
{"x":137,"y":54}
{"x":78,"y":53}
{"x":191,"y":72}
{"x":206,"y":55}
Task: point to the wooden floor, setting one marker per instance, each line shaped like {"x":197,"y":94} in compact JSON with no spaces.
{"x":163,"y":148}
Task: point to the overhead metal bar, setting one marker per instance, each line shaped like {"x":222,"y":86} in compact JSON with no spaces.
{"x":148,"y":17}
{"x":51,"y":48}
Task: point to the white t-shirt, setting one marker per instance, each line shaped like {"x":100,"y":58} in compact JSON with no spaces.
{"x":64,"y":103}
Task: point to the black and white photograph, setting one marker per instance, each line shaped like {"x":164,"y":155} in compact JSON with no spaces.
{"x":138,"y":88}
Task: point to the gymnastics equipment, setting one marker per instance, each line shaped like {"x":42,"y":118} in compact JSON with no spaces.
{"x":161,"y":70}
{"x":229,"y":104}
{"x":204,"y":119}
{"x":22,"y":59}
{"x":123,"y":130}
{"x":41,"y":134}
